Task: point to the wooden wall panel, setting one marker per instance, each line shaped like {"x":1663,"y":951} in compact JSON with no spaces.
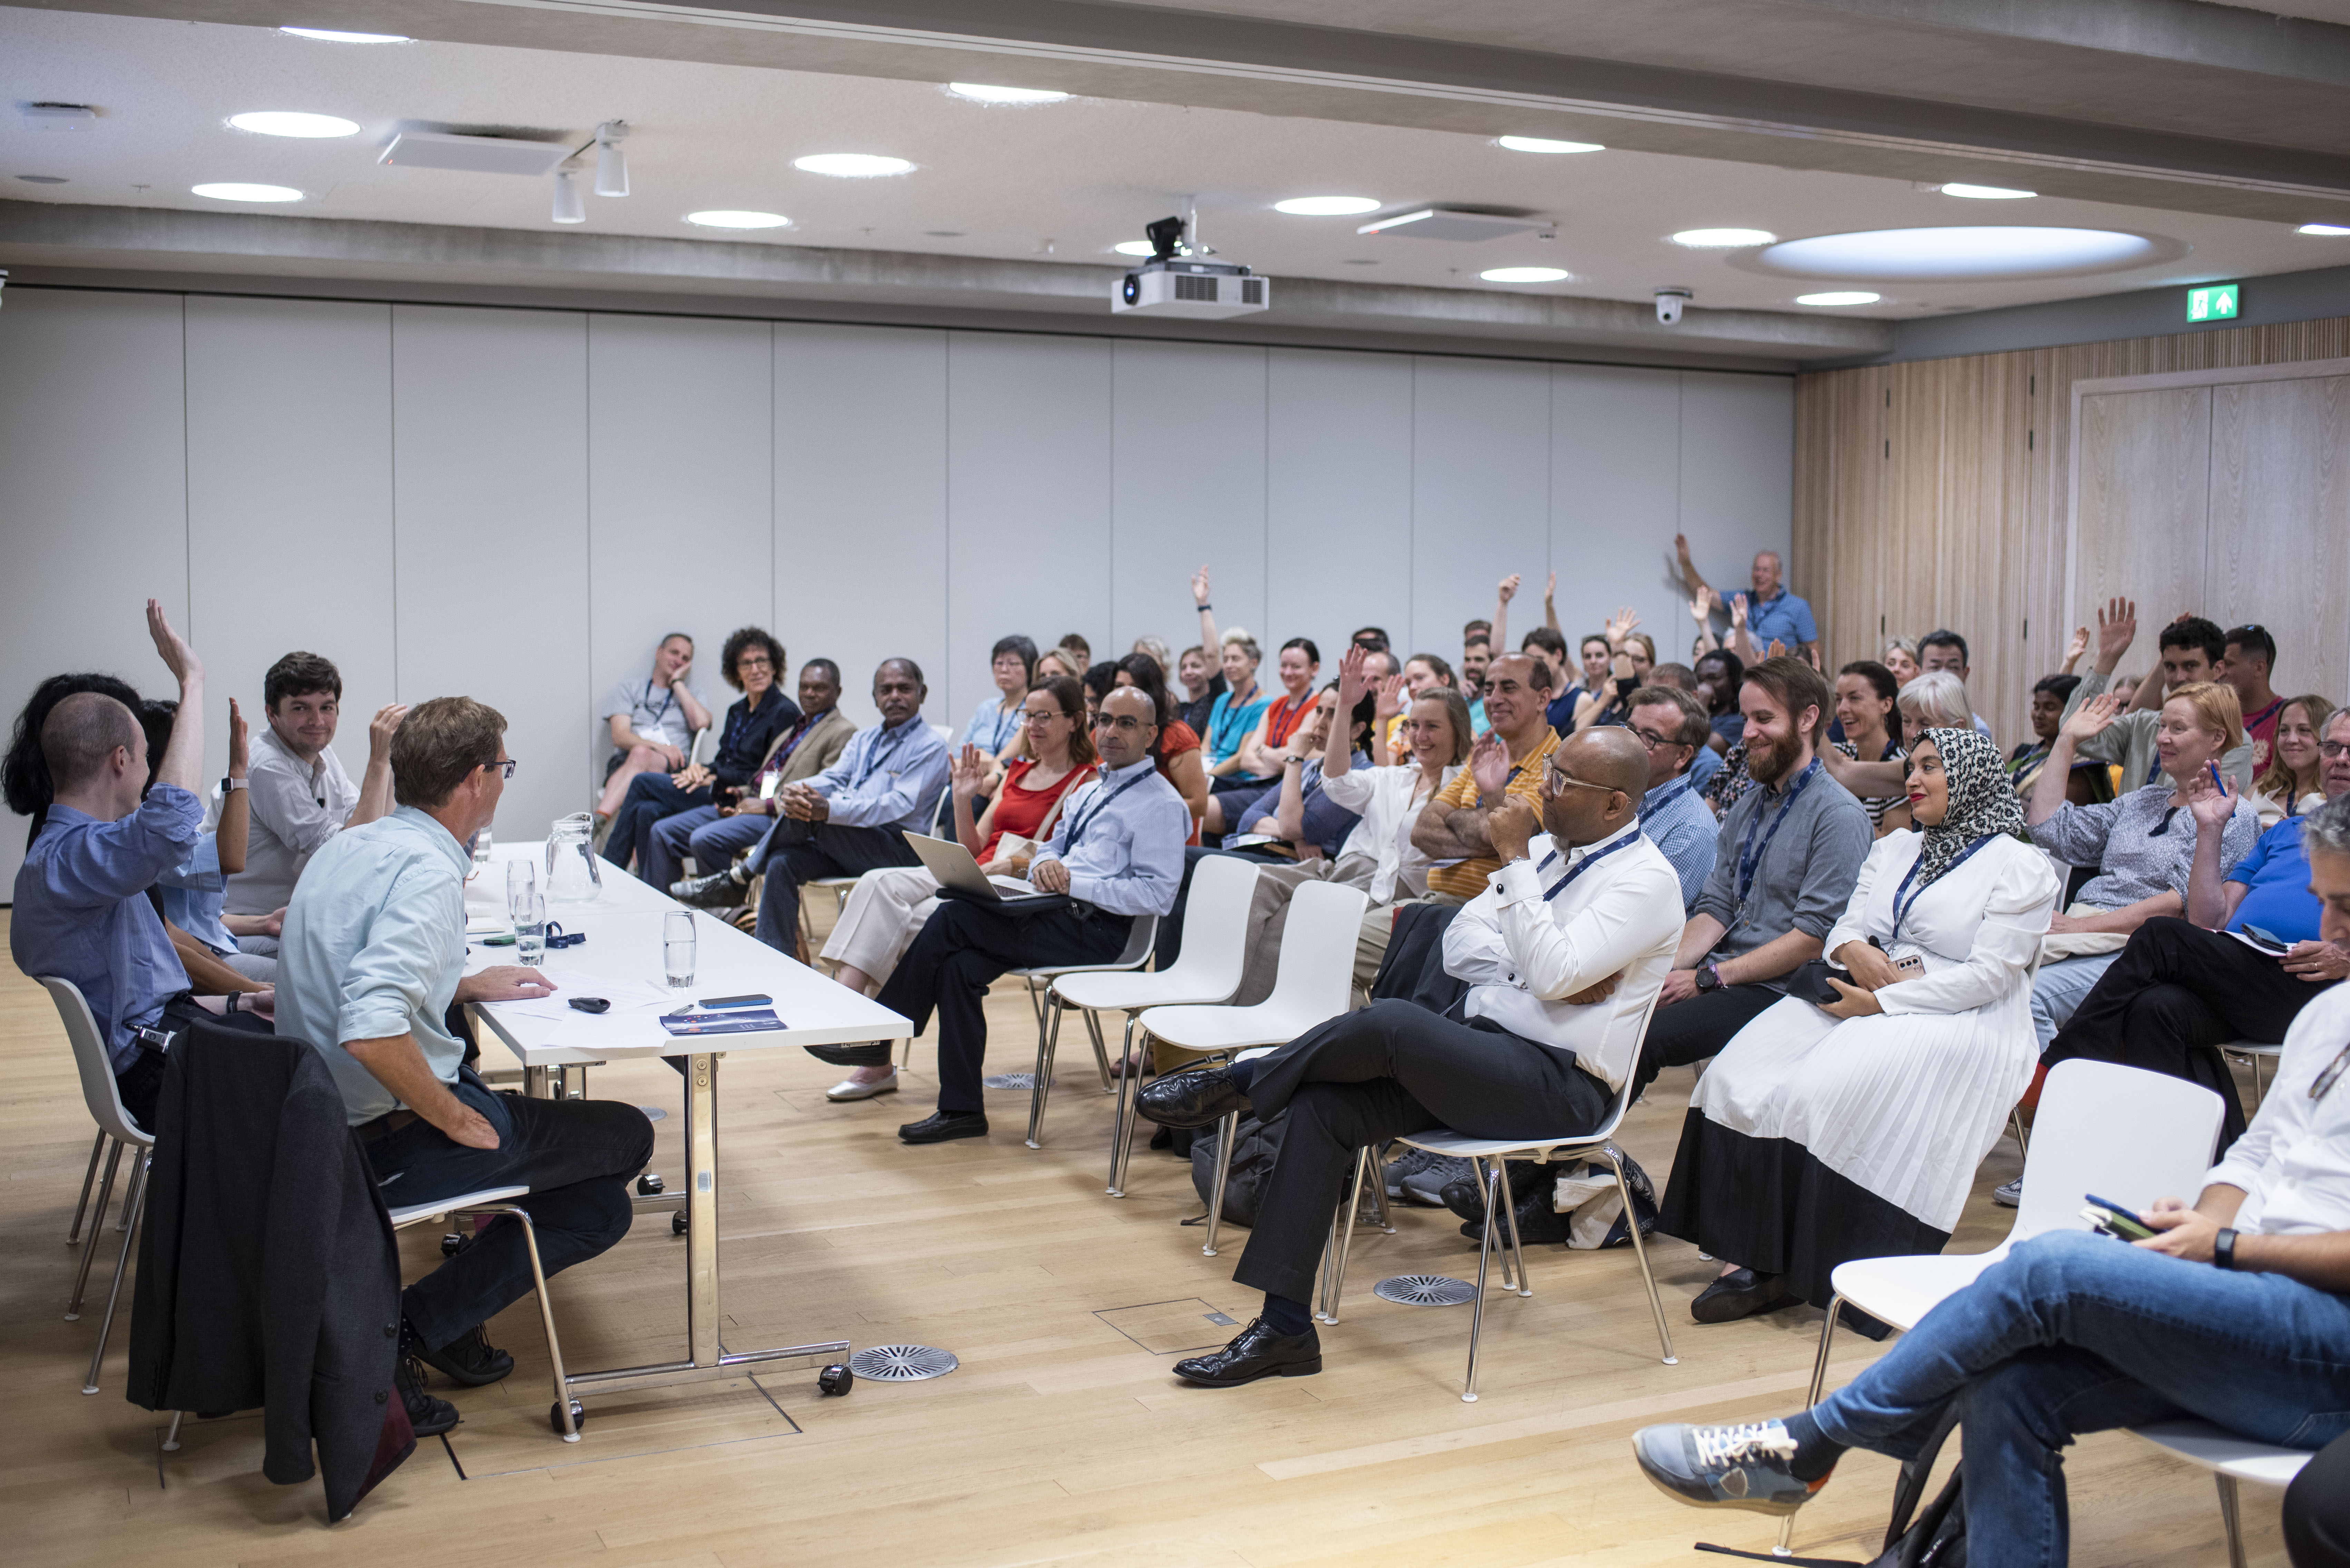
{"x":2144,"y":499}
{"x":2279,"y":549}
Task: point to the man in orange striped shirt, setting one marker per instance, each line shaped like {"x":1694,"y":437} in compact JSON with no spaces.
{"x":1453,"y":830}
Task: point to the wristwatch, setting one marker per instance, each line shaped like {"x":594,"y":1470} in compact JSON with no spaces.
{"x":230,"y":782}
{"x":2223,"y":1249}
{"x":1707,"y":977}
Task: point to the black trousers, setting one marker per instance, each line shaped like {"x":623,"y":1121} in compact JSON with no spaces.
{"x":2317,"y":1509}
{"x":141,"y":1082}
{"x":965,"y":948}
{"x":798,"y":851}
{"x":1366,"y":1076}
{"x":2175,"y":994}
{"x":1687,"y":1033}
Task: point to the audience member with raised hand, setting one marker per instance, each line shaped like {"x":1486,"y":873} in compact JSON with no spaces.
{"x":2144,"y":856}
{"x":1631,"y":656}
{"x":887,"y":907}
{"x":192,"y":891}
{"x":2248,"y":956}
{"x":1775,"y":615}
{"x":1454,"y":830}
{"x":1671,"y":725}
{"x":1563,"y":949}
{"x":753,"y":663}
{"x":652,"y":722}
{"x":1497,"y":630}
{"x":2191,"y":650}
{"x":374,"y":959}
{"x":108,"y":835}
{"x":1847,"y":1120}
{"x":1787,"y":856}
{"x":1701,"y":608}
{"x":2295,"y":779}
{"x":2236,"y":1312}
{"x":301,"y":795}
{"x":714,"y":835}
{"x":2246,"y":662}
{"x":1305,"y":824}
{"x":1867,"y":709}
{"x":2086,"y":783}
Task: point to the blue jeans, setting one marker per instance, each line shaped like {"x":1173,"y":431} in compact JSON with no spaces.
{"x":711,"y":839}
{"x":651,"y":798}
{"x":2060,"y":988}
{"x":2078,"y":1333}
{"x":576,"y":1155}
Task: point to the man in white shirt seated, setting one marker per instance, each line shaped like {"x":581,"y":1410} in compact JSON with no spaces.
{"x":374,"y":954}
{"x":300,"y":794}
{"x":2236,"y":1312}
{"x":1563,"y":952}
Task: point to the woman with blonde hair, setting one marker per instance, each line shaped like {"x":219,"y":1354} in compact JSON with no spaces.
{"x":1901,"y":656}
{"x":2295,"y":780}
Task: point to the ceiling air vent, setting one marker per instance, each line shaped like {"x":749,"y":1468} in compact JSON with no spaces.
{"x":475,"y":155}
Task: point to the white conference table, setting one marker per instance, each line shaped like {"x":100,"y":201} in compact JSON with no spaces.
{"x":623,"y":953}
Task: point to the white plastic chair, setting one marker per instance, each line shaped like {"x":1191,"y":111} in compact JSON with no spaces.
{"x":98,"y":1093}
{"x":1215,"y":929}
{"x":2256,"y":1052}
{"x":1141,"y":936}
{"x":2231,"y":1459}
{"x":566,"y":1415}
{"x":1314,"y":983}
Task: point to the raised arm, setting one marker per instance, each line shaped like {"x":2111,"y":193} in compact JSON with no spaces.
{"x":184,"y":756}
{"x":966,"y":774}
{"x":2210,"y":901}
{"x":1691,"y":581}
{"x":375,"y":784}
{"x":2048,"y":790}
{"x":236,"y":807}
{"x":1338,"y":749}
{"x":1550,"y":604}
{"x":1702,"y":612}
{"x":1207,"y":614}
{"x":1501,"y":597}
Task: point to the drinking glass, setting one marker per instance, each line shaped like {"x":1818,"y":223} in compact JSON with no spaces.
{"x":481,"y":853}
{"x":527,"y":908}
{"x":677,"y":948}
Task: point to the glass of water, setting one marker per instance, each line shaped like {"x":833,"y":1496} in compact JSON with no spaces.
{"x":527,"y":905}
{"x":480,"y":853}
{"x":677,"y":947}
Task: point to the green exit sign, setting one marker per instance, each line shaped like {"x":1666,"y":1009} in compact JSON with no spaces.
{"x":2216,"y":302}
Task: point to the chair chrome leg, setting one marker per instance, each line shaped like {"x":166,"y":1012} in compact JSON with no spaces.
{"x":88,"y":1179}
{"x":1226,"y":1131}
{"x":1640,"y":1254}
{"x":172,"y":1437}
{"x":1350,"y":1206}
{"x":2231,"y":1520}
{"x":114,"y":1294}
{"x":1526,"y":1286}
{"x":1101,"y":1051}
{"x":1121,"y":1142}
{"x":1048,"y":1040}
{"x":546,"y":1315}
{"x":1378,"y":1178}
{"x":104,"y":1192}
{"x":1819,"y":1380}
{"x":130,"y":1191}
{"x":1492,"y":1186}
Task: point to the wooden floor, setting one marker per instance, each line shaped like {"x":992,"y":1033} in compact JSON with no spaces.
{"x":1062,"y":1439}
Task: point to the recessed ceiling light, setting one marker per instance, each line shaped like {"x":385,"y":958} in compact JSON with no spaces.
{"x":2323,"y":229}
{"x":1958,"y":254}
{"x":1523,"y":274}
{"x":1326,"y":206}
{"x":1723,"y":239}
{"x":1135,"y":248}
{"x":1988,"y":192}
{"x":1537,"y":144}
{"x":724,"y":218}
{"x":981,"y":92}
{"x":233,"y":191}
{"x":329,"y":36}
{"x":1840,"y":297}
{"x":850,"y":165}
{"x":286,"y":122}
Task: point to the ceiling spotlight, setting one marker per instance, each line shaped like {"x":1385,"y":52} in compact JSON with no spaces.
{"x":568,"y":206}
{"x":329,"y":36}
{"x":1537,"y":144}
{"x":1135,"y":248}
{"x":850,"y":165}
{"x":981,"y":93}
{"x":611,"y":164}
{"x":727,"y":218}
{"x":1839,"y":296}
{"x":1523,"y":274}
{"x":1326,"y":206}
{"x":233,"y":191}
{"x":2323,"y":229}
{"x":1723,"y":239}
{"x":285,"y":123}
{"x":1988,"y":192}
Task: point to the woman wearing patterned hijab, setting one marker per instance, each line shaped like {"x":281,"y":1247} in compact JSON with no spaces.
{"x":1825,"y":1133}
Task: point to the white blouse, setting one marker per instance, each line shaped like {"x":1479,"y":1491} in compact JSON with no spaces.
{"x":1383,"y":798}
{"x":1976,"y":928}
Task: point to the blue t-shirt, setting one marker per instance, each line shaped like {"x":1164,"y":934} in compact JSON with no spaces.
{"x":192,"y":892}
{"x":1229,"y":725}
{"x":2275,"y":874}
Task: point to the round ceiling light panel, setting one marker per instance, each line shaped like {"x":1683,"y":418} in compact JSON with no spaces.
{"x":1988,"y":253}
{"x":1326,"y":206}
{"x":1723,"y":239}
{"x":1543,"y":144}
{"x":286,"y":122}
{"x":1839,"y":296}
{"x":729,"y":218}
{"x":234,"y":192}
{"x":851,"y":165}
{"x":1524,"y":275}
{"x":331,"y":36}
{"x":980,"y":92}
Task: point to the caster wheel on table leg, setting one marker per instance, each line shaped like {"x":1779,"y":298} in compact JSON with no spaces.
{"x":835,"y":1379}
{"x":677,"y":1225}
{"x":449,"y":1242}
{"x":650,"y":1184}
{"x":578,"y":1420}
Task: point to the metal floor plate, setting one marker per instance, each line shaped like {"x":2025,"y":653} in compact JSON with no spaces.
{"x":1010,"y":1081}
{"x":1425,"y":1290}
{"x":902,"y":1363}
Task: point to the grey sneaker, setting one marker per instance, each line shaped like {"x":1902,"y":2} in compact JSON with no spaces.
{"x":1426,"y":1184}
{"x":1724,"y":1467}
{"x":2010,"y":1196}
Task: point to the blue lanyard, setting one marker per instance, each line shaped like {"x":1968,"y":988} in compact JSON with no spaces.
{"x":1679,"y":788}
{"x":887,"y":743}
{"x":1586,"y":864}
{"x":1900,"y":910}
{"x":1078,"y":828}
{"x":1749,"y":859}
{"x":669,"y":698}
{"x":1220,"y":734}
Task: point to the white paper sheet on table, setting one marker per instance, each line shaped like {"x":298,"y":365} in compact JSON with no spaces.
{"x":627,"y":996}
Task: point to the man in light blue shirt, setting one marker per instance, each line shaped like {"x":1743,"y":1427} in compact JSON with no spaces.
{"x":370,"y":960}
{"x":1118,"y":853}
{"x":854,"y":816}
{"x":1672,"y":724}
{"x":1774,"y":614}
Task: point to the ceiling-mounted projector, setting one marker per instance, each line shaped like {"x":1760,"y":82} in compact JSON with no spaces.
{"x":1175,"y":281}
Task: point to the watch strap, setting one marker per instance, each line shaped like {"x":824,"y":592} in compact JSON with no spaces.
{"x":2224,"y":1249}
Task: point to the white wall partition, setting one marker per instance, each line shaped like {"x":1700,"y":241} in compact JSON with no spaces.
{"x":515,"y":504}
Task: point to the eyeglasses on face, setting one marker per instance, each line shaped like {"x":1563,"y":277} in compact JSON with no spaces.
{"x":1556,"y":781}
{"x":1126,"y":721}
{"x":2330,"y":750}
{"x":753,"y":661}
{"x":505,"y":767}
{"x":1650,"y":739}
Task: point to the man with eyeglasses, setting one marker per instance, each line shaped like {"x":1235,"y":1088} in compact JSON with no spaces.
{"x":1455,"y":829}
{"x":1673,"y":725}
{"x":1117,"y":853}
{"x":2250,"y":956}
{"x":372,"y":958}
{"x":1563,"y":952}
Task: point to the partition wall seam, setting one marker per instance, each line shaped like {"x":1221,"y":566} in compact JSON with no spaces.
{"x":588,"y":501}
{"x":187,"y":481}
{"x":392,"y":405}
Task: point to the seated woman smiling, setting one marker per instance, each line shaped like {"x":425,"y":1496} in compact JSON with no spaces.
{"x":1847,"y":1123}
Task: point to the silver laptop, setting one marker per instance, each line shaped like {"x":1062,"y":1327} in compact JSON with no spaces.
{"x":954,"y":867}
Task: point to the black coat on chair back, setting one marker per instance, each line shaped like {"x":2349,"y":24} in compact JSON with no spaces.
{"x":267,"y":1274}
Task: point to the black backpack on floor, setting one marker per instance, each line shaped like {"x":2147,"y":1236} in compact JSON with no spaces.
{"x":1253,"y":1155}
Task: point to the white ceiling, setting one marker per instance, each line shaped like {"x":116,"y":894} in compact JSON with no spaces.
{"x":1063,"y":180}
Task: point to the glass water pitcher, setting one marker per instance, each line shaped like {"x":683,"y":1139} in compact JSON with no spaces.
{"x":572,"y":877}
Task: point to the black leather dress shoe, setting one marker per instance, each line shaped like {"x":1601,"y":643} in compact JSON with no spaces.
{"x":1742,"y":1292}
{"x":1255,"y":1352}
{"x":719,"y":890}
{"x":1190,"y":1099}
{"x":941,"y":1125}
{"x":871,"y":1054}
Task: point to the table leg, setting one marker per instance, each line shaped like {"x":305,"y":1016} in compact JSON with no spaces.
{"x":701,"y":1207}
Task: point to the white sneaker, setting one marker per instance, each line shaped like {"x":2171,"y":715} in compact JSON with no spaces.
{"x":851,"y":1089}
